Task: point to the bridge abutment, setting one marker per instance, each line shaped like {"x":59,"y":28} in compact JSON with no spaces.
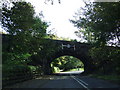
{"x":47,"y":68}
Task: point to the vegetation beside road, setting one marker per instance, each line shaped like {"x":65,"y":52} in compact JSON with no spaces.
{"x":25,"y":39}
{"x":66,"y":63}
{"x":98,"y":24}
{"x":111,"y":78}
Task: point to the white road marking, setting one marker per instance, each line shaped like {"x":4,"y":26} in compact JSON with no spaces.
{"x":81,"y":83}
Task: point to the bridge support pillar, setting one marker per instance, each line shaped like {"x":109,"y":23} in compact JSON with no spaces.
{"x":47,"y":69}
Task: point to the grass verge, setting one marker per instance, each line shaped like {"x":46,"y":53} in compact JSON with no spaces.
{"x":111,"y":78}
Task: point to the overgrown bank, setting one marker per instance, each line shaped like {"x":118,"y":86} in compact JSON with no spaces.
{"x":24,"y":43}
{"x":106,"y":60}
{"x":110,"y":78}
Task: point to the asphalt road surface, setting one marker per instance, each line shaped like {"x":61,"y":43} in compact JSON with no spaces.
{"x":65,"y":81}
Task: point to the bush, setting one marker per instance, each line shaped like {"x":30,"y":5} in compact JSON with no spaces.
{"x":18,"y":70}
{"x":55,"y":69}
{"x":106,"y":59}
{"x":35,"y":69}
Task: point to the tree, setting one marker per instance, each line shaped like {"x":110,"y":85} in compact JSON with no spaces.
{"x":26,"y":32}
{"x":39,"y":27}
{"x":26,"y":38}
{"x":21,"y":23}
{"x":67,"y":62}
{"x":106,"y":59}
{"x":19,"y":18}
{"x":101,"y":20}
{"x":100,"y":23}
{"x":85,"y":35}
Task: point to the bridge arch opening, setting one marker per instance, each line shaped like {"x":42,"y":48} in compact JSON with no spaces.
{"x":67,"y":64}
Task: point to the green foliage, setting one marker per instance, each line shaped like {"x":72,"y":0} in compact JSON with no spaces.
{"x":47,"y":50}
{"x":39,"y":28}
{"x":101,"y":20}
{"x":14,"y":64}
{"x":14,"y":68}
{"x":67,"y":62}
{"x":85,"y":34}
{"x":55,"y":37}
{"x":26,"y":35}
{"x":19,"y":21}
{"x":55,"y":69}
{"x":19,"y":18}
{"x":15,"y":59}
{"x":113,"y":78}
{"x":10,"y":72}
{"x":27,"y":31}
{"x":99,"y":23}
{"x":35,"y":69}
{"x":106,"y":59}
